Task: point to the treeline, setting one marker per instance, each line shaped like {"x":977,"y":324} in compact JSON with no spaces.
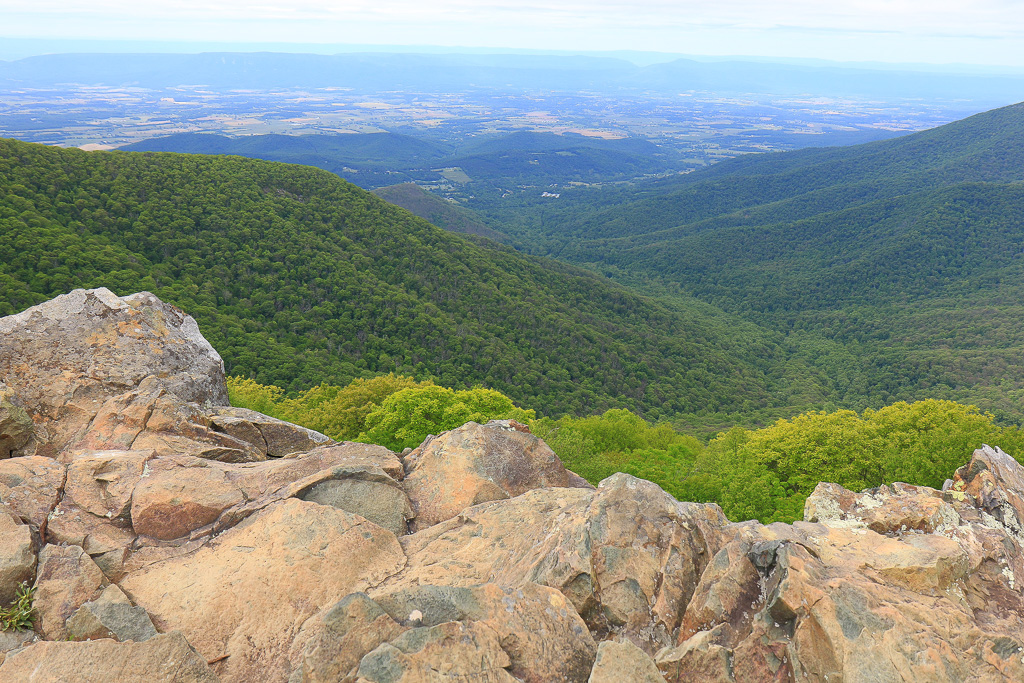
{"x":299,"y":278}
{"x":763,"y":474}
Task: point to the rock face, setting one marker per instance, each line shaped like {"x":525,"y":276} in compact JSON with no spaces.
{"x":181,"y":539}
{"x":477,"y":463}
{"x":93,"y":371}
{"x":163,"y":658}
{"x":892,"y":584}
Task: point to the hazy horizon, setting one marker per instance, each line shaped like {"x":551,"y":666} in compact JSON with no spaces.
{"x":983,"y":33}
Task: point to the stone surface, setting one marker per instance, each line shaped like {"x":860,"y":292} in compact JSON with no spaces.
{"x":16,"y":426}
{"x":30,"y":487}
{"x":15,"y":640}
{"x":150,"y":417}
{"x":362,"y":490}
{"x":67,"y":578}
{"x":17,"y":556}
{"x":331,"y":644}
{"x":179,"y":495}
{"x":242,"y":598}
{"x":544,"y":637}
{"x":111,"y":615}
{"x":621,"y":661}
{"x":279,"y":437}
{"x":452,"y":651}
{"x":994,"y":482}
{"x":64,"y":358}
{"x":166,"y":658}
{"x":95,"y":510}
{"x":474,"y":464}
{"x":892,"y":584}
{"x":627,"y":556}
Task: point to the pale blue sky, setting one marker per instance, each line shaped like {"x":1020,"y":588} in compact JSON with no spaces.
{"x":926,"y":31}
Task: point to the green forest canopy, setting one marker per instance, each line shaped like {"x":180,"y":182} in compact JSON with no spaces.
{"x":298,"y":278}
{"x":763,"y":474}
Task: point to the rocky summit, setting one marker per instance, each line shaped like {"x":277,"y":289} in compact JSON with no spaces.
{"x":171,"y":537}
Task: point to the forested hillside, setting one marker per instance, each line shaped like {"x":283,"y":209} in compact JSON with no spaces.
{"x":298,"y":277}
{"x":894,"y":265}
{"x":493,"y":162}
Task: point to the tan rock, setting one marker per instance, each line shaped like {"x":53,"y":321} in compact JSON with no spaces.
{"x":177,"y":427}
{"x":95,"y":510}
{"x":111,"y":615}
{"x":331,"y":644}
{"x":17,"y":556}
{"x":16,"y":427}
{"x":544,"y":637}
{"x":64,"y":358}
{"x":453,"y":651}
{"x":934,"y":598}
{"x":626,"y":556}
{"x":30,"y":487}
{"x":15,"y":640}
{"x":362,"y":490}
{"x":701,"y":657}
{"x":280,"y":438}
{"x":994,"y":483}
{"x":474,"y":464}
{"x":166,"y":658}
{"x":178,"y":495}
{"x":242,"y":598}
{"x":67,"y":578}
{"x":621,"y":661}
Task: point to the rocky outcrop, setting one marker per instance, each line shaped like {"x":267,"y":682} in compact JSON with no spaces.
{"x":93,"y":371}
{"x":184,"y":540}
{"x":165,"y":657}
{"x":892,"y":584}
{"x":477,"y":463}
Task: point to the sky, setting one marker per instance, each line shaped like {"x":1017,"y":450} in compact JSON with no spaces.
{"x":987,"y":32}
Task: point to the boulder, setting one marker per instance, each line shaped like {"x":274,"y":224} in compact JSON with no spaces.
{"x":627,"y":556}
{"x":150,"y":417}
{"x":181,"y":494}
{"x":994,"y":483}
{"x":95,"y":510}
{"x":167,"y":658}
{"x":363,"y":490}
{"x":477,"y":463}
{"x":544,"y":637}
{"x":17,"y":556}
{"x":67,"y":578}
{"x":111,"y":615}
{"x":64,"y":358}
{"x":331,"y":644}
{"x":621,"y":661}
{"x":895,"y":583}
{"x":242,"y":598}
{"x":277,"y":437}
{"x":30,"y":488}
{"x":452,"y":651}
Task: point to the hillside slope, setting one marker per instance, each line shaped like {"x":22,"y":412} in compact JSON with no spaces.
{"x":906,"y":251}
{"x":298,"y":277}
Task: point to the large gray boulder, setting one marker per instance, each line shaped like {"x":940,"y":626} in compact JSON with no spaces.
{"x":64,"y":358}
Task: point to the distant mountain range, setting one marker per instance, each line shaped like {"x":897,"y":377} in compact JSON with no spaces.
{"x":453,"y":72}
{"x":380,"y":159}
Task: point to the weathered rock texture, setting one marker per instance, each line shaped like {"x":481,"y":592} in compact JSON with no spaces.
{"x":162,"y":658}
{"x":93,"y":371}
{"x":184,"y":540}
{"x":477,"y":463}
